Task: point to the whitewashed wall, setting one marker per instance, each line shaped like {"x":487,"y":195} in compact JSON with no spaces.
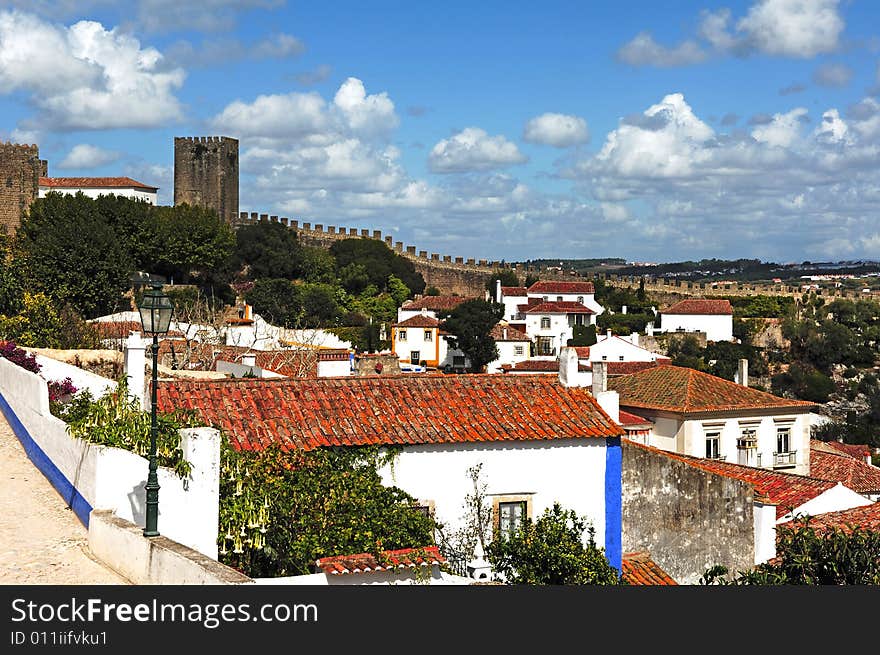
{"x":334,"y":368}
{"x":613,"y":348}
{"x":764,"y":518}
{"x":90,"y":476}
{"x":52,"y":369}
{"x":93,"y":192}
{"x":718,"y":327}
{"x":836,"y":499}
{"x":559,"y":331}
{"x":511,"y":304}
{"x":570,"y":471}
{"x":507,"y":354}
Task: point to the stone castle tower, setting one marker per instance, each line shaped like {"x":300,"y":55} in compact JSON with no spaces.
{"x":20,"y":172}
{"x":206,"y":173}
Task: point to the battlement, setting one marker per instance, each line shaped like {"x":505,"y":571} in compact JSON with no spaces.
{"x":20,"y":172}
{"x":29,"y":149}
{"x":205,"y":139}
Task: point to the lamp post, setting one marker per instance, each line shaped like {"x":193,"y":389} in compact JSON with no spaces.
{"x":155,"y":310}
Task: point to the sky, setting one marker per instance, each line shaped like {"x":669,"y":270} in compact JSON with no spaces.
{"x":649,"y":131}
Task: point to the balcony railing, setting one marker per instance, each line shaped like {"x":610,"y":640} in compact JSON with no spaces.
{"x":715,"y":456}
{"x":784,"y":460}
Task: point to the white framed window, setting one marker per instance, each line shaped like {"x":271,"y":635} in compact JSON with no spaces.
{"x":429,"y":335}
{"x":545,"y":322}
{"x":518,"y":350}
{"x":401,"y":335}
{"x":713,"y":445}
{"x":509,"y":512}
{"x":783,"y":439}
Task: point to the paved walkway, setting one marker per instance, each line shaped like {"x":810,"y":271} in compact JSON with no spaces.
{"x":41,"y":540}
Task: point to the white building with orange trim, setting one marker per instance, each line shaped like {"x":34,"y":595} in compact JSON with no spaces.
{"x":99,"y":186}
{"x":714,"y":317}
{"x":419,"y":341}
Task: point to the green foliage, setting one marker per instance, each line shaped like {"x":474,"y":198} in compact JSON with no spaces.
{"x":551,"y":551}
{"x":507,"y":276}
{"x":531,"y":278}
{"x":70,"y":252}
{"x":318,"y":265}
{"x":432,"y":291}
{"x":624,"y":324}
{"x":804,"y":382}
{"x":286,"y":304}
{"x":471,"y":322}
{"x":760,"y":306}
{"x":378,"y":262}
{"x":726,"y":356}
{"x":116,"y":420}
{"x":686,"y":351}
{"x":857,"y":427}
{"x":807,"y":556}
{"x":584,"y":335}
{"x":280,"y":511}
{"x":269,"y":250}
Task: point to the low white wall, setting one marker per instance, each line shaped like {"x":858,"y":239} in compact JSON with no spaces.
{"x":835,"y":499}
{"x":122,"y":546}
{"x":52,"y":369}
{"x":91,"y":476}
{"x":237,"y":370}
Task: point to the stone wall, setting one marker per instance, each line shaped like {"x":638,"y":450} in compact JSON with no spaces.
{"x":206,"y":174}
{"x":20,"y":170}
{"x":687,"y":518}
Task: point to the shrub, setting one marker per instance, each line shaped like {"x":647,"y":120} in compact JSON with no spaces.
{"x":19,"y":356}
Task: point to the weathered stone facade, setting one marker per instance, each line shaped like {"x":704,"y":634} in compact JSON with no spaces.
{"x":20,"y":171}
{"x":206,"y":174}
{"x":687,"y":518}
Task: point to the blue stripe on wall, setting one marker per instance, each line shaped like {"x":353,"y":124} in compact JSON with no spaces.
{"x":613,"y":502}
{"x":46,"y":466}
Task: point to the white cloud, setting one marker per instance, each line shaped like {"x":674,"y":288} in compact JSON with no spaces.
{"x":783,"y":130}
{"x":320,"y":74}
{"x":472,"y":149}
{"x":793,"y":28}
{"x":558,"y":130}
{"x":643,"y":50}
{"x":203,"y":16}
{"x":217,"y":51}
{"x":85,"y":76}
{"x":614,"y":213}
{"x":291,"y":115}
{"x":84,"y":155}
{"x":832,"y":129}
{"x":368,"y":114}
{"x":834,"y":75}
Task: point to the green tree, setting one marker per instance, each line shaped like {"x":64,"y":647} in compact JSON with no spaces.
{"x":583,"y":335}
{"x":319,"y":306}
{"x":810,"y":556}
{"x":280,"y":511}
{"x":551,"y":551}
{"x":471,"y":323}
{"x":398,"y":290}
{"x":507,"y":276}
{"x":686,"y":351}
{"x":379,"y":261}
{"x":804,"y":382}
{"x":68,"y":251}
{"x":269,"y":250}
{"x":277,"y":300}
{"x":531,"y":278}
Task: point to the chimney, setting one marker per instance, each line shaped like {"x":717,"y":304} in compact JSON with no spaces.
{"x":742,"y":372}
{"x":504,"y":333}
{"x":600,"y":377}
{"x":135,"y":361}
{"x":623,"y":309}
{"x":634,"y":338}
{"x":424,"y":311}
{"x":498,"y":291}
{"x":608,"y":334}
{"x":568,"y":368}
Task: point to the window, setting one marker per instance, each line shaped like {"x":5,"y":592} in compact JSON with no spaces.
{"x":604,"y":357}
{"x":414,"y":357}
{"x":517,"y":350}
{"x":620,"y":358}
{"x":783,"y":440}
{"x":544,"y":298}
{"x":581,"y":299}
{"x":509,"y":513}
{"x":558,"y":298}
{"x":429,"y":335}
{"x":425,"y":507}
{"x":544,"y":346}
{"x":784,"y":455}
{"x":458,"y":360}
{"x":713,"y":440}
{"x":545,"y":322}
{"x":401,"y":335}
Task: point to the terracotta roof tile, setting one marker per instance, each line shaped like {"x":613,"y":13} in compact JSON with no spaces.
{"x":859,"y":451}
{"x":640,"y":569}
{"x":513,"y":334}
{"x":628,"y":420}
{"x":549,"y":286}
{"x":687,"y":391}
{"x":627,"y":368}
{"x":549,"y":365}
{"x":583,"y":352}
{"x":94,"y":182}
{"x":515,"y":292}
{"x":700,"y":306}
{"x":417,"y":322}
{"x":309,"y":413}
{"x":435,"y":303}
{"x":556,"y":308}
{"x":390,"y":560}
{"x":866,"y":516}
{"x":854,"y":473}
{"x":785,"y":490}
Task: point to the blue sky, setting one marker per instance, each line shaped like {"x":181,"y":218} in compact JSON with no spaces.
{"x":498,"y":130}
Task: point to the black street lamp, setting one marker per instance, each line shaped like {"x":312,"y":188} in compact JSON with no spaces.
{"x":155,"y":310}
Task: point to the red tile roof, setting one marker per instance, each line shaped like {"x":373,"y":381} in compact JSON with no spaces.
{"x":513,"y":334}
{"x":583,"y":352}
{"x":556,"y":308}
{"x":543,"y":365}
{"x":700,"y":306}
{"x":628,"y":420}
{"x":785,"y":490}
{"x":417,"y":322}
{"x":854,"y":473}
{"x":435,"y":303}
{"x":549,"y":286}
{"x":687,"y":391}
{"x":390,"y":560}
{"x":640,"y":569}
{"x":94,"y":182}
{"x":628,"y":368}
{"x":402,"y":409}
{"x":859,"y":451}
{"x":516,"y":292}
{"x":866,"y":516}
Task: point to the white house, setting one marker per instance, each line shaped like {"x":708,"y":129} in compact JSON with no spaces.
{"x":513,"y":346}
{"x":714,"y":317}
{"x":612,"y":348}
{"x":511,"y":298}
{"x":551,"y":324}
{"x":579,"y":292}
{"x":532,"y":440}
{"x":419,"y":339}
{"x":701,"y":415}
{"x":99,"y":186}
{"x":433,"y":305}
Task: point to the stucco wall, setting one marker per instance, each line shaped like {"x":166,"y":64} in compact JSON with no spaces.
{"x":92,"y":192}
{"x":686,"y":518}
{"x":570,"y":471}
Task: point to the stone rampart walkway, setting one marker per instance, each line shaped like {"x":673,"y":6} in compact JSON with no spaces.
{"x":41,"y":541}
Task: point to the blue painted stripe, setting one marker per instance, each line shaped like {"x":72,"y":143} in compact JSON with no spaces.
{"x":613,"y":502}
{"x":46,"y":466}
